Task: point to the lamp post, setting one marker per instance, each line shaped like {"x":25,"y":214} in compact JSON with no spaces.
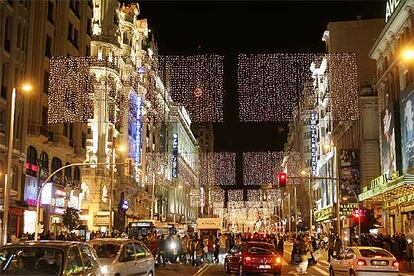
{"x":310,"y":202}
{"x":7,"y":175}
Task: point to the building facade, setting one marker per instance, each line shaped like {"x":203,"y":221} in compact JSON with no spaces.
{"x":390,"y":192}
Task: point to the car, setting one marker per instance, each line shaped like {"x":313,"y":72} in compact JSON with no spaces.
{"x":49,"y":258}
{"x":120,"y":257}
{"x":364,"y":261}
{"x":253,"y":257}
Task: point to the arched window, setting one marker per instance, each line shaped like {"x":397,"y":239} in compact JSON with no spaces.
{"x":76,"y":174}
{"x":57,"y":164}
{"x":68,"y":173}
{"x":2,"y":171}
{"x":44,"y":164}
{"x":31,"y":155}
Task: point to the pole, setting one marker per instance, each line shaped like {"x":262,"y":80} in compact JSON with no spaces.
{"x":338,"y":221}
{"x":310,"y":208}
{"x":153,"y":195}
{"x":111,"y":187}
{"x":289,"y":213}
{"x":175,"y":204}
{"x":296,"y":211}
{"x":7,"y":176}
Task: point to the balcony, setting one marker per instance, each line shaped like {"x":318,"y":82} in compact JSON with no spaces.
{"x":38,"y":131}
{"x":104,"y":62}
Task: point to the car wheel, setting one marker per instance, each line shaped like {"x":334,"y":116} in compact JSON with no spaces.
{"x":352,"y":273}
{"x":331,"y":272}
{"x":227,"y":267}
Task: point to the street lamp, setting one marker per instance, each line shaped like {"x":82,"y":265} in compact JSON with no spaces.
{"x":408,"y":54}
{"x":304,"y":173}
{"x":7,"y":175}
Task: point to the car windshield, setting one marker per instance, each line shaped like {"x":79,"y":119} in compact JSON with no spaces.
{"x":106,"y":250}
{"x":374,"y":252}
{"x":261,"y":249}
{"x":31,"y":261}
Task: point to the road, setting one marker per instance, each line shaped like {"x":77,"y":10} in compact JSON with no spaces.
{"x":320,"y":269}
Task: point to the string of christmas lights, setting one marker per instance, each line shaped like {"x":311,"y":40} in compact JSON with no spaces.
{"x":235,"y":195}
{"x":261,"y":168}
{"x":271,"y":85}
{"x":197,"y":83}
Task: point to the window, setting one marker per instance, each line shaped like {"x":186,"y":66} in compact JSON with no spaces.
{"x":140,"y":251}
{"x":71,"y":132}
{"x":46,"y":82}
{"x":48,"y":46}
{"x":57,"y":164}
{"x":76,"y":174}
{"x":44,"y":162}
{"x":4,"y":81}
{"x":31,"y":155}
{"x":349,"y":254}
{"x":74,"y":262}
{"x":83,"y":140}
{"x":89,"y":26}
{"x":14,"y":178}
{"x":50,"y":16}
{"x":68,"y":173}
{"x":89,"y":261}
{"x":74,"y":6}
{"x":65,"y":129}
{"x":2,"y":120}
{"x":7,"y":34}
{"x":128,"y":253}
{"x":44,"y":116}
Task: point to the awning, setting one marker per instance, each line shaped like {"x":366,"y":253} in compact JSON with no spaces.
{"x":393,"y":189}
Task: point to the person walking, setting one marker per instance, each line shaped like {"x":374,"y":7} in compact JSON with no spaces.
{"x":280,"y":246}
{"x":198,"y":252}
{"x":337,"y":246}
{"x":305,"y":249}
{"x":331,"y":244}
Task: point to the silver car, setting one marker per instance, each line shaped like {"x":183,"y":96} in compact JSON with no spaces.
{"x":123,"y":257}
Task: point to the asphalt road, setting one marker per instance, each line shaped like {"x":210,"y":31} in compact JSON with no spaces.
{"x":320,"y":269}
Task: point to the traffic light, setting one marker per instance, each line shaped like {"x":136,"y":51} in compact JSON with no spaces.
{"x":282,"y":179}
{"x":128,"y":166}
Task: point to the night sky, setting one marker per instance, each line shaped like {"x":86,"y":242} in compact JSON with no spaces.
{"x":234,"y":27}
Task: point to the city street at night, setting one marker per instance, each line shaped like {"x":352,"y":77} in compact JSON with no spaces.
{"x":231,"y":137}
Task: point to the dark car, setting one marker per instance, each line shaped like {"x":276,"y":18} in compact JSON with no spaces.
{"x":49,"y":258}
{"x":253,"y":257}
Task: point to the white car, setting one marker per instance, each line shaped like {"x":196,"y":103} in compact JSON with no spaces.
{"x":123,"y":257}
{"x":364,"y":261}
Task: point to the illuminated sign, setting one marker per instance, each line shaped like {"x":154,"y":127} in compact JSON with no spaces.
{"x":30,"y":191}
{"x":186,"y":116}
{"x":124,"y":205}
{"x":314,"y":140}
{"x":140,"y":70}
{"x":46,"y":196}
{"x":59,"y":211}
{"x":60,"y":193}
{"x":175,"y":155}
{"x":390,"y":7}
{"x":325,"y":213}
{"x":135,"y":126}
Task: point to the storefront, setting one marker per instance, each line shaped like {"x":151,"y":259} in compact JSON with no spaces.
{"x":395,"y":197}
{"x":325,"y":219}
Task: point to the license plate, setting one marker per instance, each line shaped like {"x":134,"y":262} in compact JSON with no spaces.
{"x":380,"y":263}
{"x":265,"y":267}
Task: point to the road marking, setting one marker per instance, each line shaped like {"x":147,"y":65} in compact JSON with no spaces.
{"x":323,"y":272}
{"x":202,"y":269}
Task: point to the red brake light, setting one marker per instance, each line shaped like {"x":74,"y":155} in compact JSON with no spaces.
{"x":247,"y":259}
{"x":361,"y":262}
{"x":396,"y":264}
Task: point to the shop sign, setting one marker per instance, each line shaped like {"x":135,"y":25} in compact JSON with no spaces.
{"x":46,"y":196}
{"x":390,"y":7}
{"x":314,"y":138}
{"x":30,"y":191}
{"x":401,"y":200}
{"x":380,"y":185}
{"x":175,"y":156}
{"x":347,"y":209}
{"x":59,"y":211}
{"x":324,"y":214}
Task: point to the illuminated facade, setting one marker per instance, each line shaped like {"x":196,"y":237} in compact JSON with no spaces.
{"x":390,"y":192}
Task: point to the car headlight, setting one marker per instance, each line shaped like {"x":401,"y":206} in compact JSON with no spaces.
{"x":104,"y":269}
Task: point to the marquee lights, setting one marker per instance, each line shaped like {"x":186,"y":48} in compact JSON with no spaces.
{"x":271,"y":85}
{"x":235,"y":195}
{"x":196,"y":82}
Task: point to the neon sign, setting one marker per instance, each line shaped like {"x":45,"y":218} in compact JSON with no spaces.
{"x":314,"y":140}
{"x":390,"y":7}
{"x":175,"y":156}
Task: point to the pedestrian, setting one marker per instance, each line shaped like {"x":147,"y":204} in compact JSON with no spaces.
{"x":216,"y":250}
{"x":331,"y":244}
{"x":198,"y":252}
{"x":280,"y":246}
{"x":305,"y":249}
{"x":162,"y":247}
{"x":337,"y":246}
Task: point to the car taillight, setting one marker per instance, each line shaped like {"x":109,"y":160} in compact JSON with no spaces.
{"x":361,"y":262}
{"x":247,"y":259}
{"x":278,"y":260}
{"x":395,"y":264}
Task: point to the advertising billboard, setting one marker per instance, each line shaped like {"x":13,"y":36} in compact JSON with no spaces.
{"x":407,"y":131}
{"x":349,"y":171}
{"x":388,"y":157}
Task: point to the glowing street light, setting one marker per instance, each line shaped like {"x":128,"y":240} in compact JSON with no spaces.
{"x":408,"y":54}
